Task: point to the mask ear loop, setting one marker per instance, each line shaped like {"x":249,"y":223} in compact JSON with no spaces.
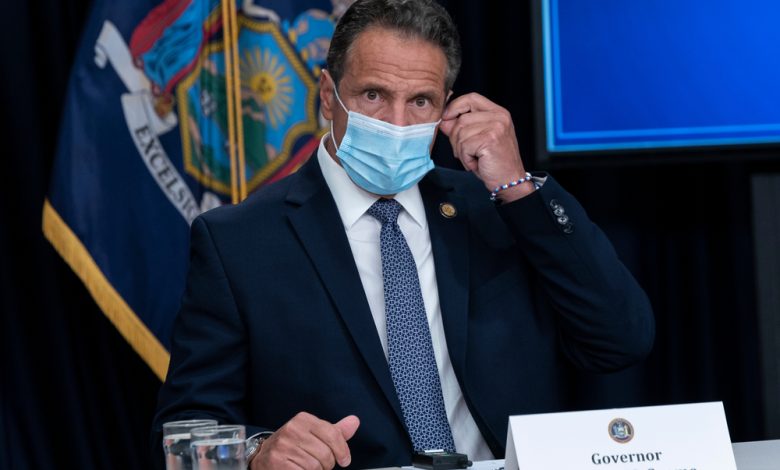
{"x":330,"y":135}
{"x":336,"y":92}
{"x":338,"y":98}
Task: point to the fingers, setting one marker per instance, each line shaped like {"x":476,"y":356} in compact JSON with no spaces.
{"x":464,"y":108}
{"x":336,"y":436}
{"x":474,"y":108}
{"x":472,"y":149}
{"x":463,"y":132}
{"x":309,"y":443}
{"x":325,"y":446}
{"x":446,"y":126}
{"x":493,"y":115}
{"x":307,"y":461}
{"x":470,"y":133}
{"x":452,"y":126}
{"x":482,"y":136}
{"x":472,"y":102}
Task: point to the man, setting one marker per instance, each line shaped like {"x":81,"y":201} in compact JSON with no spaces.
{"x":369,"y":305}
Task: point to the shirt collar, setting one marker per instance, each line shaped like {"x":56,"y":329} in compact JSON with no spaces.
{"x":353,"y":201}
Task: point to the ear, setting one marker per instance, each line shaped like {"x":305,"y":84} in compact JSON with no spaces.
{"x":326,"y":95}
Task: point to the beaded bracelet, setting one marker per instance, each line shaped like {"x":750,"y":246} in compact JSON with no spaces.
{"x":511,"y":184}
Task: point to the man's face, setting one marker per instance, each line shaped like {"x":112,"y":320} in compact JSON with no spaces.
{"x":388,"y":77}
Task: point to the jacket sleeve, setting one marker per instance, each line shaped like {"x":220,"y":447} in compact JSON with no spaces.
{"x":207,"y":374}
{"x":604,"y":317}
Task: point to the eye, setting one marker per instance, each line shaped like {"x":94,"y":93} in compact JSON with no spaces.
{"x":421,"y":102}
{"x":372,"y":95}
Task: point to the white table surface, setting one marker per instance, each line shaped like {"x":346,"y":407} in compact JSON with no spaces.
{"x":757,"y":455}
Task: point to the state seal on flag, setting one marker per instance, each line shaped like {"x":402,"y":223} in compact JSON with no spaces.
{"x":279,"y":97}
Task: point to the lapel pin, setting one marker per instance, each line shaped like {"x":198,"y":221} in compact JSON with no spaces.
{"x":447,"y":210}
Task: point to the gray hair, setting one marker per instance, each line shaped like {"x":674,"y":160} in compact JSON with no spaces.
{"x":424,"y":19}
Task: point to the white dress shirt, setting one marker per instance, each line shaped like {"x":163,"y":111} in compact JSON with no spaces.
{"x":363,"y":234}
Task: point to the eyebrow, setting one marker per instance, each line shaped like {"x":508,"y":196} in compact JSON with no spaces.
{"x":429,"y":93}
{"x":372,"y":86}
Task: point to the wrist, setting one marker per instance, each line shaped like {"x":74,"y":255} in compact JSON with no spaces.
{"x":254,"y":443}
{"x":516,"y":192}
{"x":513,"y":190}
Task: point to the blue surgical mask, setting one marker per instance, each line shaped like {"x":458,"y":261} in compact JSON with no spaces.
{"x":383,"y":158}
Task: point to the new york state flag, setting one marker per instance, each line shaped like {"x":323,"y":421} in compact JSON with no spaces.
{"x":173,"y":108}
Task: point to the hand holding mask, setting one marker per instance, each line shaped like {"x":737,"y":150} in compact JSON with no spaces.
{"x":483,"y":139}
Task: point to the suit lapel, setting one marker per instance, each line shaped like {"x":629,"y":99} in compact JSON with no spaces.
{"x":316,"y":222}
{"x":449,"y":241}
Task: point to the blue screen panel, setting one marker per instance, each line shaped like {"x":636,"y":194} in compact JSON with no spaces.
{"x":627,"y":74}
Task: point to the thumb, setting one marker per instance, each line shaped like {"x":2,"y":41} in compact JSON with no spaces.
{"x":348,"y":426}
{"x":447,"y":125}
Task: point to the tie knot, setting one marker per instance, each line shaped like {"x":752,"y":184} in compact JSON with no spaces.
{"x":385,"y":210}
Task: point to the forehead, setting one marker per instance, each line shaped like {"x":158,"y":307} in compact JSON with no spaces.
{"x":393,"y":58}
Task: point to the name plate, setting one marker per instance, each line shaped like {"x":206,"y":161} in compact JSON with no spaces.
{"x":675,"y":437}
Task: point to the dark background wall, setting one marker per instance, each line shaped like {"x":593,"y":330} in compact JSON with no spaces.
{"x":74,"y":394}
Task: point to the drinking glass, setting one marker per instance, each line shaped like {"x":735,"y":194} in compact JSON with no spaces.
{"x":219,"y":447}
{"x":221,"y":431}
{"x":176,"y":442}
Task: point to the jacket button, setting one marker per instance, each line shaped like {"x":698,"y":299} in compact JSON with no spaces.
{"x":563,"y":220}
{"x":554,"y":204}
{"x":558,"y":211}
{"x":568,"y":228}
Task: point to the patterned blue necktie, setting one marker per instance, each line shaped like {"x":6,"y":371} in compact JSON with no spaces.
{"x":409,"y":346}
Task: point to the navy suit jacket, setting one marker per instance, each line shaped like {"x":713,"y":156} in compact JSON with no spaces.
{"x":274,"y":319}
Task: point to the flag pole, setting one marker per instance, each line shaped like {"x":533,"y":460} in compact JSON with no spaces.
{"x":227,"y":39}
{"x":234,"y":30}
